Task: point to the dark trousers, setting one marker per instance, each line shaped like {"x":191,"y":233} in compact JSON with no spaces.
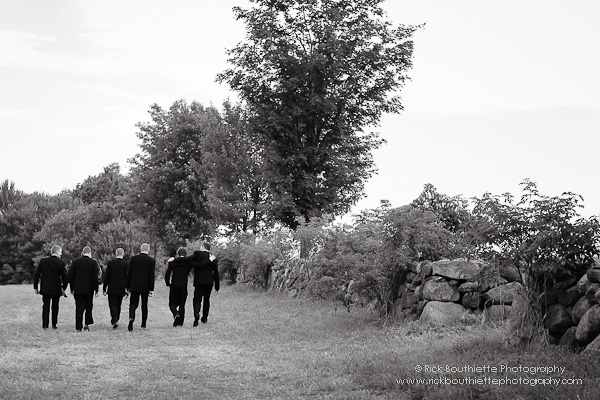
{"x":83,"y":302}
{"x":202,"y":298}
{"x":46,"y":300}
{"x":114,"y":305}
{"x":177,"y":298}
{"x":134,"y":301}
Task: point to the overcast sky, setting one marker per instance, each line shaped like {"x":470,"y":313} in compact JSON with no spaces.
{"x":500,"y":91}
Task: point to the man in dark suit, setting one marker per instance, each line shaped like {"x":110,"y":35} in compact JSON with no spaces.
{"x":178,"y":285}
{"x":83,"y":278}
{"x":140,"y":283}
{"x":53,"y":274}
{"x":115,"y":278}
{"x":206,"y":274}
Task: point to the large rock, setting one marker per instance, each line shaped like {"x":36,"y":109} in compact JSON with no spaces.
{"x":502,"y":294}
{"x":558,"y":319}
{"x":589,"y":326}
{"x":471,"y":300}
{"x":567,"y":283}
{"x":437,"y":289}
{"x":468,"y":287}
{"x":580,"y":308}
{"x":442,"y":313}
{"x":569,"y":296}
{"x":591,"y":290}
{"x":549,"y":297}
{"x":593,"y":347}
{"x":509,"y":272}
{"x":497,"y":313}
{"x":568,"y":339}
{"x":593,"y":275}
{"x":460,"y":269}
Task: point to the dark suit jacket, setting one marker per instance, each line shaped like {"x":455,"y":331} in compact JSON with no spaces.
{"x":83,"y":276}
{"x":140,"y":274}
{"x":115,"y":276}
{"x":206,"y":272}
{"x":180,"y":271}
{"x":53,"y":273}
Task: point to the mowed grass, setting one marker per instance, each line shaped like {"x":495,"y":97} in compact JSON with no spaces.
{"x":259,"y":346}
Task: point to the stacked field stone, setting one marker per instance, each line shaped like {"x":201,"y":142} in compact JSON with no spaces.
{"x":447,"y":289}
{"x":573,"y":312}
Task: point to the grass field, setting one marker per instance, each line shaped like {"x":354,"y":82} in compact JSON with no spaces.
{"x":261,"y":346}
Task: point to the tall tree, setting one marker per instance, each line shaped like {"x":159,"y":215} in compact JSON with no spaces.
{"x":168,"y":176}
{"x":234,"y":163}
{"x":106,"y":187}
{"x":314,"y":75}
{"x":8,"y":195}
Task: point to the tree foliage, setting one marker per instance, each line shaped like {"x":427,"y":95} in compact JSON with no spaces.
{"x":168,"y":175}
{"x":314,"y":75}
{"x":110,"y":186}
{"x":539,"y":234}
{"x":9,"y":195}
{"x":233,"y":161}
{"x":19,"y":223}
{"x":73,"y":229}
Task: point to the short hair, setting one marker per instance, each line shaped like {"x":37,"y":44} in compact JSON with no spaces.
{"x":119,"y":252}
{"x":206,"y":245}
{"x":87,"y":250}
{"x":182,"y":252}
{"x":145,"y":248}
{"x":55,"y":249}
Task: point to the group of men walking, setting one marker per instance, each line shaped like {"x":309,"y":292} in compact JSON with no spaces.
{"x":121,"y":278}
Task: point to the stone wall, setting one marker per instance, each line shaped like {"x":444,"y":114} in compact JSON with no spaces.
{"x":443,"y":292}
{"x":448,"y":291}
{"x":573,"y":312}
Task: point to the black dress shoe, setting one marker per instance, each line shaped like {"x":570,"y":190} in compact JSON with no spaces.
{"x":130,"y":326}
{"x":54,"y":327}
{"x":176,"y":320}
{"x":196,"y":321}
{"x":86,"y":328}
{"x":203,"y":320}
{"x":115,"y":325}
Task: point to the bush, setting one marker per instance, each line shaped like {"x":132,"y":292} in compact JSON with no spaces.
{"x":256,"y":260}
{"x":326,"y":287}
{"x":229,"y":261}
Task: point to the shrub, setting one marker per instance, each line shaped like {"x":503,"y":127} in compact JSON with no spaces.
{"x":257,"y":260}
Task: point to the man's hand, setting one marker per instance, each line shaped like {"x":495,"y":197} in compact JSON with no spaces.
{"x":36,"y":291}
{"x":212,"y":258}
{"x":150,"y":293}
{"x":104,"y":292}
